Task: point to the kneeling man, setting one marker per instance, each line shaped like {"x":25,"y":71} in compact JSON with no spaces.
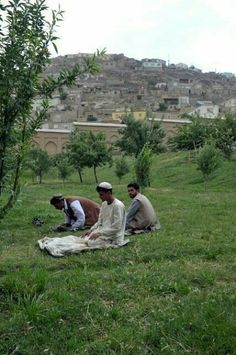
{"x":141,"y":215}
{"x":79,"y":212}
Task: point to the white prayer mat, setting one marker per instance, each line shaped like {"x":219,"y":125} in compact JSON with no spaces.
{"x":73,"y":245}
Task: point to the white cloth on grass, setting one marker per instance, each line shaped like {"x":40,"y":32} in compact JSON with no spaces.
{"x":74,"y":245}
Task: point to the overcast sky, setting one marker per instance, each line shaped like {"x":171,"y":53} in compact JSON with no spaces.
{"x":196,"y":32}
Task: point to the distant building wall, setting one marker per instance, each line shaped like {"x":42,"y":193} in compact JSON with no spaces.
{"x":111,"y":130}
{"x":170,"y":126}
{"x":53,"y":140}
{"x":119,"y":115}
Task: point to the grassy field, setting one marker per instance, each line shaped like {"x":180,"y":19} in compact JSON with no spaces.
{"x":171,"y":292}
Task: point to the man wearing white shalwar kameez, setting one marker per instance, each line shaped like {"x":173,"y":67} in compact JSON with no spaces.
{"x":110,"y":227}
{"x":107,"y":232}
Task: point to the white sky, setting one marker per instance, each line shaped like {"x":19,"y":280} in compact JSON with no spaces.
{"x":196,"y":32}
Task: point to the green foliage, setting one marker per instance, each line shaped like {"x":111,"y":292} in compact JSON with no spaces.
{"x":162,"y":107}
{"x":178,"y":284}
{"x":195,"y":135}
{"x":38,"y":161}
{"x":121,"y":167}
{"x":155,"y":138}
{"x":91,"y":118}
{"x":61,"y":161}
{"x":137,"y":133}
{"x":224,"y":134}
{"x":133,"y":137}
{"x":208,"y":160}
{"x":143,"y":166}
{"x":191,"y":136}
{"x":86,"y":149}
{"x":24,"y":55}
{"x":63,"y":93}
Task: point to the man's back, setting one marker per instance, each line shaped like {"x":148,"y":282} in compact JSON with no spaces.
{"x":91,"y":208}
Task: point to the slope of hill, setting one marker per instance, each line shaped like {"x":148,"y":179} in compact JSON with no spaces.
{"x":166,"y":292}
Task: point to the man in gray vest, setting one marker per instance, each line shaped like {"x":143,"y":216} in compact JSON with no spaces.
{"x":141,"y":216}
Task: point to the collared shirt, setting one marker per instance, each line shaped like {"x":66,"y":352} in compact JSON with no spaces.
{"x":78,"y":211}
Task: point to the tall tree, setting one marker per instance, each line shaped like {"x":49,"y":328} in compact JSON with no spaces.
{"x":61,"y":162}
{"x":155,"y":137}
{"x":224,"y":134}
{"x":38,"y":162}
{"x":25,"y":37}
{"x":137,"y":133}
{"x":191,"y":136}
{"x":87,"y":149}
{"x":208,"y":160}
{"x":121,"y":167}
{"x":143,"y":166}
{"x":77,"y":149}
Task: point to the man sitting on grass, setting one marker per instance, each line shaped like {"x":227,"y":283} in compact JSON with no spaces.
{"x":80,"y":212}
{"x":141,"y":216}
{"x":107,"y":232}
{"x":111,"y":221}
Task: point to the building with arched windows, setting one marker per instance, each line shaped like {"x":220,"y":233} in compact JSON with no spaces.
{"x":53,"y":140}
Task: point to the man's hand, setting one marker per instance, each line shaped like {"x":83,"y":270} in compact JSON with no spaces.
{"x":85,"y":235}
{"x":62,"y":228}
{"x":94,"y":235}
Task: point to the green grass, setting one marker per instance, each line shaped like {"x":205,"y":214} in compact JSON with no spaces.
{"x":171,"y":292}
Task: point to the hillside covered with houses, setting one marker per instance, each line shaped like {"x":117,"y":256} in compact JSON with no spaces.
{"x":145,"y":88}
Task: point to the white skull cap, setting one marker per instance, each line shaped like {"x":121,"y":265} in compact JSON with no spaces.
{"x":105,"y":185}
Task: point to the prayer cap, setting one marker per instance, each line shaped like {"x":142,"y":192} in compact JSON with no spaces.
{"x":58,"y":197}
{"x":105,"y":185}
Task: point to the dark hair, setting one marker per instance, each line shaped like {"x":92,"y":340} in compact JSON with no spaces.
{"x":135,"y":185}
{"x":102,"y":189}
{"x":56,"y":199}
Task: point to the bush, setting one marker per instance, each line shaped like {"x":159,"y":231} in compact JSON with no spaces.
{"x":142,"y":166}
{"x":208,"y":160}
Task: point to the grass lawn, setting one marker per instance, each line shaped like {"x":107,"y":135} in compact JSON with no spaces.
{"x":171,"y":292}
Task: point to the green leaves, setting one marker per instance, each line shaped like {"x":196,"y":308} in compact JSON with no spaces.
{"x":137,"y":133}
{"x":143,"y":166}
{"x":24,"y":55}
{"x":87,"y":149}
{"x":208,"y":160}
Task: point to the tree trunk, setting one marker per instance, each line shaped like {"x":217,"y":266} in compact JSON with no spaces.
{"x":80,"y":176}
{"x":95,"y":174}
{"x":2,"y":161}
{"x":15,"y":189}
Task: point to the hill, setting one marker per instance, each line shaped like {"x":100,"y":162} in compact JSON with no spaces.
{"x":166,"y":292}
{"x":126,"y":85}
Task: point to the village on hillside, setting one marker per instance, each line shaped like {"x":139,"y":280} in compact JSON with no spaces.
{"x":145,"y":89}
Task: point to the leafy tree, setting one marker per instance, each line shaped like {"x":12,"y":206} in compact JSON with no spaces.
{"x":25,"y":37}
{"x":208,"y":160}
{"x":87,"y":149}
{"x":38,"y":162}
{"x":156,"y":135}
{"x":99,"y":154}
{"x":143,"y":166}
{"x":121,"y":168}
{"x":77,"y":151}
{"x":137,"y":133}
{"x":61,"y":161}
{"x":133,"y":136}
{"x":191,"y":136}
{"x":224,"y":134}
